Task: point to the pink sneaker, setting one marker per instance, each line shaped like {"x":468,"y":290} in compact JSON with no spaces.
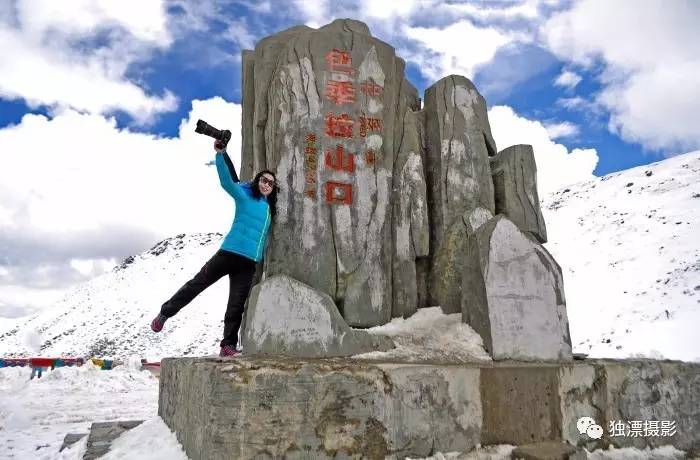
{"x":158,"y":323}
{"x":228,"y":351}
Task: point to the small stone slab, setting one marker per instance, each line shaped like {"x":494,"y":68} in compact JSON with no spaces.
{"x":103,"y":433}
{"x":515,"y":185}
{"x":70,"y":439}
{"x":286,"y":316}
{"x":513,"y":294}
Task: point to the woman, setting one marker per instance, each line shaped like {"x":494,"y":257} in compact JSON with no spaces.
{"x":241,"y":250}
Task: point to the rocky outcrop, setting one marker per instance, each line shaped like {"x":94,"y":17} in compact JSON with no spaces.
{"x":325,"y":114}
{"x":378,"y":199}
{"x":410,"y":218}
{"x":513,"y":295}
{"x":458,"y":144}
{"x":451,"y":258}
{"x":515,"y":187}
{"x":287,"y":317}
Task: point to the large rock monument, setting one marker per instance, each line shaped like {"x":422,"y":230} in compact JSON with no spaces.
{"x":384,"y":208}
{"x":382,"y":202}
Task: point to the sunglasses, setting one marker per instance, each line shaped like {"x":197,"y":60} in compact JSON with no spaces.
{"x":265,"y":181}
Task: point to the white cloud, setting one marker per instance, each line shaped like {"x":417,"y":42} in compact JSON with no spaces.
{"x":89,"y":268}
{"x":316,"y":12}
{"x":574,"y":103}
{"x":658,"y":107}
{"x":47,"y":59}
{"x":467,"y":37}
{"x":563,"y":129}
{"x":42,"y":76}
{"x":652,"y":65}
{"x":77,"y":193}
{"x":568,"y":79}
{"x":556,"y":165}
{"x":145,"y":21}
{"x":527,"y":9}
{"x":238,"y":32}
{"x":391,"y":10}
{"x":260,"y":7}
{"x":17,"y":301}
{"x":461,"y":47}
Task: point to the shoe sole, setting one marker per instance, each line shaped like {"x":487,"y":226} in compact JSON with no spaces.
{"x":230,"y":356}
{"x":156,"y":329}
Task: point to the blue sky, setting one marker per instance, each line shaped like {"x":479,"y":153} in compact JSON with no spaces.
{"x":98,"y":100}
{"x":202,"y":60}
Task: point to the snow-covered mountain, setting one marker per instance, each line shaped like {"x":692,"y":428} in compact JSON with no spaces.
{"x":110,"y":315}
{"x":627,"y":243}
{"x":629,"y":247}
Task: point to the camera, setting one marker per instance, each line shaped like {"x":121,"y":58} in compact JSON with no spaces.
{"x":223,"y":136}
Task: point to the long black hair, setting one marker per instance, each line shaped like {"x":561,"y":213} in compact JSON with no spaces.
{"x":272,"y":197}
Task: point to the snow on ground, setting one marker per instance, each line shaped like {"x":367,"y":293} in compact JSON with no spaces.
{"x":152,"y":440}
{"x":430,"y":335}
{"x":35,"y":415}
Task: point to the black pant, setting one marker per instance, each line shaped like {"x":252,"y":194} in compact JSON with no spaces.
{"x":240,"y":271}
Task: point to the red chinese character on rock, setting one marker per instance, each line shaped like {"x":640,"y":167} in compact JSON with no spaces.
{"x":338,"y":193}
{"x":310,"y":177}
{"x":339,"y":61}
{"x":369,"y":124}
{"x":340,"y":92}
{"x":339,"y":160}
{"x":370,"y":157}
{"x":340,"y":126}
{"x":371,"y":88}
{"x":311,"y":163}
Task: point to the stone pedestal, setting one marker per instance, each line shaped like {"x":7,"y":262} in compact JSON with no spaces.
{"x":281,"y":407}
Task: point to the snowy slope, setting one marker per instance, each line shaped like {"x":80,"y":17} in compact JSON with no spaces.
{"x":627,"y":243}
{"x":109,"y":316}
{"x":629,"y":247}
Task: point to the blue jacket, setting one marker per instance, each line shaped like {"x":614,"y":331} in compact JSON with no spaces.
{"x":251,"y":221}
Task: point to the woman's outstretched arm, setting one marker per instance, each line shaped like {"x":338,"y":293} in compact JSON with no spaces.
{"x":231,"y":168}
{"x":227,"y":175}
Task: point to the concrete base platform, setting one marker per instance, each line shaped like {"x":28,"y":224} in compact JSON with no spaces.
{"x":280,"y":407}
